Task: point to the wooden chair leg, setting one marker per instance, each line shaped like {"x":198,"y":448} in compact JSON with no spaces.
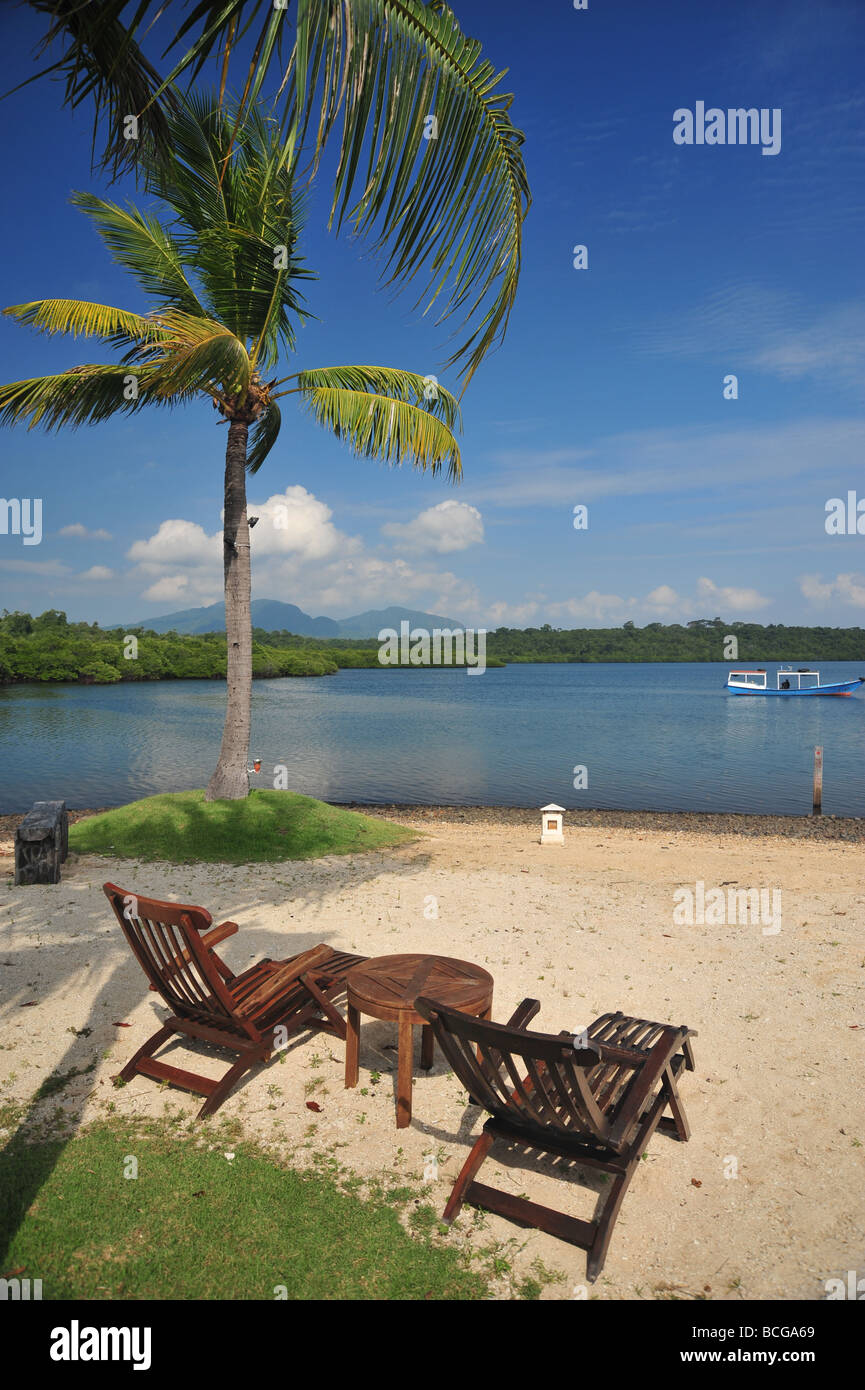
{"x":152,"y":1045}
{"x":679,"y":1123}
{"x":471,"y":1166}
{"x":607,"y":1220}
{"x":226,"y":1085}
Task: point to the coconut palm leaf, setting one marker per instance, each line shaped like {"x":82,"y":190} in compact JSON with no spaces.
{"x":145,"y":248}
{"x":83,"y":396}
{"x":196,"y":354}
{"x":238,"y":220}
{"x":229,"y":255}
{"x":449,"y":208}
{"x":263,"y":436}
{"x":81,"y":318}
{"x":225,"y":300}
{"x":448,"y":211}
{"x":375,"y":425}
{"x":102,"y":62}
{"x":387,"y":381}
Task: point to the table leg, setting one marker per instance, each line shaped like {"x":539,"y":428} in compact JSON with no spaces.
{"x":352,"y":1046}
{"x":403,"y":1083}
{"x":427,"y":1047}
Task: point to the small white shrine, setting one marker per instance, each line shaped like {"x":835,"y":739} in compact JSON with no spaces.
{"x":551,"y":824}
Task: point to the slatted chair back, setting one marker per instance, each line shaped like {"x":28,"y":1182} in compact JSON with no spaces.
{"x":543,"y":1083}
{"x":166,"y":941}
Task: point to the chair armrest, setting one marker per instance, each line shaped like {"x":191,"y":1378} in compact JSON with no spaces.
{"x":281,"y":980}
{"x":524,"y":1013}
{"x":213,"y":937}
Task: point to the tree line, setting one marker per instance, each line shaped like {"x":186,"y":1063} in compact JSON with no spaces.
{"x":50,"y":648}
{"x":704,"y":639}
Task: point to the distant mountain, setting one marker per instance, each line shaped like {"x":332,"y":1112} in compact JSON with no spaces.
{"x":370,"y":624}
{"x":268,"y":613}
{"x":274,"y":616}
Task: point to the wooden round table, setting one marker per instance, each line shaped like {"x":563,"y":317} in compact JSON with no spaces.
{"x":387,"y":986}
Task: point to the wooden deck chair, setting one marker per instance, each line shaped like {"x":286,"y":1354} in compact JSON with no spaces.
{"x":596,"y":1106}
{"x":173,"y":943}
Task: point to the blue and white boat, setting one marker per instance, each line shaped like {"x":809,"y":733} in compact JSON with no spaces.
{"x":788,"y":682}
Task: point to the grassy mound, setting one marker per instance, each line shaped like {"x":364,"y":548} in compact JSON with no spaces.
{"x":182,"y":827}
{"x":199,"y":1224}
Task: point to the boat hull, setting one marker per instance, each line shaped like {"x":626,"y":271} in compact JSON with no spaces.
{"x":839,"y":688}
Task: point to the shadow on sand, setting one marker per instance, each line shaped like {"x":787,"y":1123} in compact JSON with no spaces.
{"x":122,"y":989}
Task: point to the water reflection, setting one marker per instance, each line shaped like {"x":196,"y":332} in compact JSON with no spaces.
{"x":663,"y":737}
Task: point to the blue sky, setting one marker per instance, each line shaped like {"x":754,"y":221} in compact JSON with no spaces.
{"x":704,"y":261}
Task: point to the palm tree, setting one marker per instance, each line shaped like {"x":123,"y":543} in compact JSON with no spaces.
{"x":223,"y":272}
{"x":429,"y":161}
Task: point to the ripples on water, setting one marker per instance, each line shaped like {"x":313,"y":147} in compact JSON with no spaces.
{"x":660,"y":737}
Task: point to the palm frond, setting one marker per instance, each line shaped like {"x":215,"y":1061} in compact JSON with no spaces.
{"x":423,"y":391}
{"x":368,"y":73}
{"x":450,"y":207}
{"x":102,"y":62}
{"x":83,"y":396}
{"x":263,"y":436}
{"x":196,"y":354}
{"x":79,"y":317}
{"x":145,"y":248}
{"x":384,"y":427}
{"x":237,"y":220}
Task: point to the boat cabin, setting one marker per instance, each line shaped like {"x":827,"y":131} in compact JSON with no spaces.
{"x":785,"y":680}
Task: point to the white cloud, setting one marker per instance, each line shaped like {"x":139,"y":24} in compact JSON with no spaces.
{"x":444,"y":528}
{"x":299,"y":556}
{"x":52,"y":568}
{"x":730,"y":599}
{"x":512,"y":614}
{"x":177,"y":587}
{"x":832,"y":345}
{"x":673,"y":462}
{"x":98,"y":572}
{"x":849,"y":588}
{"x":772,"y":331}
{"x":814,"y":589}
{"x":596,"y":609}
{"x":82,"y":532}
{"x":663,"y":598}
{"x":296,"y":522}
{"x":593,"y":607}
{"x":183,"y":543}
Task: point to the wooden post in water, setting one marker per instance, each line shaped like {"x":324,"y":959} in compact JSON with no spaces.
{"x":817,"y":809}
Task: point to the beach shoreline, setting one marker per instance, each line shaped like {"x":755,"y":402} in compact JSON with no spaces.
{"x":848,"y":828}
{"x":823,"y":828}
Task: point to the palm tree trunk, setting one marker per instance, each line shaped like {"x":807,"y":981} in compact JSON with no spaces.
{"x":230,"y":781}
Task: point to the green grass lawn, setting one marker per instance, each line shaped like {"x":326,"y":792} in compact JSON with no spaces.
{"x":267,"y":825}
{"x":195,"y":1225}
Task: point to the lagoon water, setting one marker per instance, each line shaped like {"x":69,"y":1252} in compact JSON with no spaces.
{"x":651,"y":737}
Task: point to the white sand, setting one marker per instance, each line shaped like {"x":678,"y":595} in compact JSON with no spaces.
{"x":586,"y":928}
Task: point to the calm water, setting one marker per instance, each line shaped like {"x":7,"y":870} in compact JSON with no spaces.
{"x":660,"y":737}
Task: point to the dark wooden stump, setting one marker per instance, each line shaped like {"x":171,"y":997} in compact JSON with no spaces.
{"x":42,"y":843}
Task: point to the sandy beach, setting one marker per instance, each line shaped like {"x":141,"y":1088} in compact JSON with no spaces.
{"x":767,"y":1201}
